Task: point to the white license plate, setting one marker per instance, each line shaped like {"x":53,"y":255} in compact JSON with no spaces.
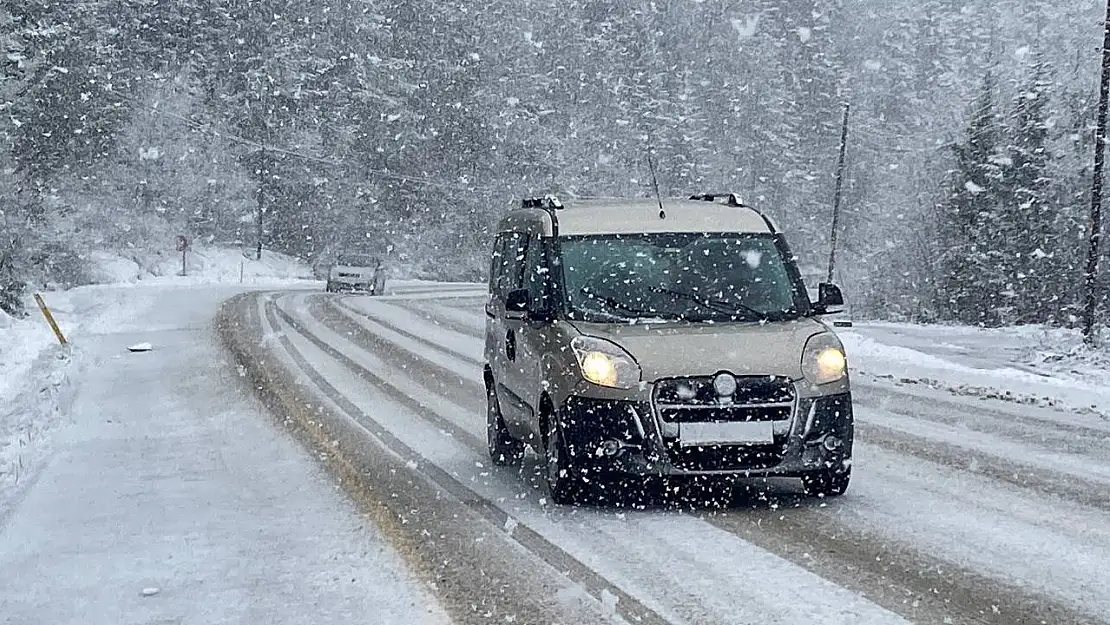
{"x":739,"y":433}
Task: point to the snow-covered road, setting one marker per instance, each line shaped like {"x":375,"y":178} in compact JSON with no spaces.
{"x":171,"y":477}
{"x":173,"y":497}
{"x":962,"y":510}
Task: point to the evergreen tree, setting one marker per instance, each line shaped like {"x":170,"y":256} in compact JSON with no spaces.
{"x":1027,"y":216}
{"x":972,"y":282}
{"x":424,"y":118}
{"x":11,"y":285}
{"x":1070,"y":171}
{"x":62,"y":117}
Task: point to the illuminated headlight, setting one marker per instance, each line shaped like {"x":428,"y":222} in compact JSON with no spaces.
{"x":605,"y":363}
{"x":823,"y":360}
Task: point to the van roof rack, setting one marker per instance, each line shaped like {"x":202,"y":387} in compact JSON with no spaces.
{"x":731,"y":199}
{"x":547,"y":202}
{"x":735,"y":201}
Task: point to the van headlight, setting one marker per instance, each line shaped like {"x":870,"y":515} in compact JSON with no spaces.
{"x":605,"y":363}
{"x":823,"y":360}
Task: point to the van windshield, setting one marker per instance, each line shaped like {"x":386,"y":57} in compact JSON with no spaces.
{"x":678,"y":277}
{"x":357,"y":260}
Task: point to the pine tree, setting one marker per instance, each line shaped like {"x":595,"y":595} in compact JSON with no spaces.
{"x":972,"y":283}
{"x":1070,"y":172}
{"x":1030,"y":240}
{"x":11,"y":286}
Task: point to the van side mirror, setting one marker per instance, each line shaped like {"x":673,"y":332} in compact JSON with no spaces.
{"x":829,"y":298}
{"x":517,"y":304}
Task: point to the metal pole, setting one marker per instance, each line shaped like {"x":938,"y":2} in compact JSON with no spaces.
{"x":261,"y":199}
{"x":839,"y":192}
{"x":1091,"y":276}
{"x":50,"y":319}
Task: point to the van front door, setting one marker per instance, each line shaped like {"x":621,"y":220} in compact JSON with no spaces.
{"x":528,"y":340}
{"x":504,"y":336}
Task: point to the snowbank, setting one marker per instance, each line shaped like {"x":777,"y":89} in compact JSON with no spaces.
{"x":35,"y":392}
{"x":1028,"y":364}
{"x":203,"y":265}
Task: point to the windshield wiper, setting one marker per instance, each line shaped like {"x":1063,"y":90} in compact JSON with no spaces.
{"x":729,"y":308}
{"x":616,"y":304}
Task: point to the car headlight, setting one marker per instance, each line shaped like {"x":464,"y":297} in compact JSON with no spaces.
{"x":823,"y":360}
{"x":605,"y":363}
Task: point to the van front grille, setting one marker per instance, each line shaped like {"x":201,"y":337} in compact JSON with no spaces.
{"x":693,"y":400}
{"x":725,"y":414}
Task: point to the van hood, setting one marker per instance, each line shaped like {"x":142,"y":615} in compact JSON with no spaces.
{"x":688,"y":349}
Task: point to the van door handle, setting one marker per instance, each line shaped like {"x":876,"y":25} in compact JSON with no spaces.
{"x":510,"y":345}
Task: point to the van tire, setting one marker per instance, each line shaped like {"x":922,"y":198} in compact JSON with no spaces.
{"x":827,"y":483}
{"x":563,"y":484}
{"x":504,"y":450}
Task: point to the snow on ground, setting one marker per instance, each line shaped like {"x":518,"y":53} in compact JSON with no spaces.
{"x":35,"y":372}
{"x":172,"y":496}
{"x":1030,"y":364}
{"x":203,"y":265}
{"x":34,"y":394}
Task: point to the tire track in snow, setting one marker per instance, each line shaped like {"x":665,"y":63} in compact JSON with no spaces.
{"x":377,"y":324}
{"x":1013,"y":417}
{"x":601,"y":589}
{"x":474,"y":568}
{"x":438,"y":316}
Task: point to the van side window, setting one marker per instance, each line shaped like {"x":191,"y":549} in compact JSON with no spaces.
{"x":497,"y":265}
{"x":516,"y":252}
{"x":508,"y":259}
{"x":536,"y":273}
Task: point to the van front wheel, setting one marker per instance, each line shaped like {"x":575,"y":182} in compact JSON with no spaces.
{"x":562,"y":483}
{"x":826,"y":483}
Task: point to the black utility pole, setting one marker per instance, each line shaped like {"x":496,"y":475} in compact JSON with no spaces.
{"x":1091,"y":277}
{"x":262,"y":199}
{"x":840,"y":191}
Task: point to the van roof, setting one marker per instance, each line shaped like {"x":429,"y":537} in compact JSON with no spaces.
{"x":638,"y":216}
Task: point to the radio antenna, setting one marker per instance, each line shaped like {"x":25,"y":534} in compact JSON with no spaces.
{"x":655,"y":184}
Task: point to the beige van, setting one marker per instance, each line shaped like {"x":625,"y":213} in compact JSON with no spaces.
{"x":638,"y":338}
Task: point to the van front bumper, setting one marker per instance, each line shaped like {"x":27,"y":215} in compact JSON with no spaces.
{"x":359,"y":285}
{"x":614,"y":437}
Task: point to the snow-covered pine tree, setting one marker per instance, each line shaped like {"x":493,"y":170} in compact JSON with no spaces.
{"x":972,"y":284}
{"x":63,"y":117}
{"x":1030,"y":241}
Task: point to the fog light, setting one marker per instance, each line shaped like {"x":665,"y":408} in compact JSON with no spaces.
{"x":833,"y":443}
{"x":610,"y":448}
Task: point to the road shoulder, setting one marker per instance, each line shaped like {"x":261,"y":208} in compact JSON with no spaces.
{"x":174,"y":497}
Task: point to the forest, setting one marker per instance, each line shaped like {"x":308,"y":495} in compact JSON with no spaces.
{"x":411,"y":125}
